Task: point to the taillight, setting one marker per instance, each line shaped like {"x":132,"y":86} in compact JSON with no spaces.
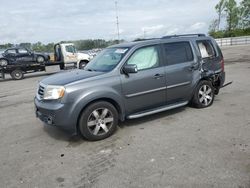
{"x":222,"y":62}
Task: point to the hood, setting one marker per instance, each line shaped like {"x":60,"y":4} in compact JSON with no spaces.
{"x":69,"y":77}
{"x":82,"y":56}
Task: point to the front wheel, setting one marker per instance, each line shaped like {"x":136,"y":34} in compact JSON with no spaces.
{"x":17,"y":74}
{"x":98,"y":121}
{"x":82,"y":64}
{"x":40,"y":59}
{"x":3,"y":62}
{"x":204,"y":95}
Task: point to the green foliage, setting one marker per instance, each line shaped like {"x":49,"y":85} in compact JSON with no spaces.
{"x":80,"y":45}
{"x":237,"y":19}
{"x":244,"y":14}
{"x":220,"y":7}
{"x":232,"y":14}
{"x":232,"y":33}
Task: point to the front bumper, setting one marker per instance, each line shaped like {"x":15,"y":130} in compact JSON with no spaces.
{"x":55,"y":113}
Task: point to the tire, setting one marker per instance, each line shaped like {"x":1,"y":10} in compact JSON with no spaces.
{"x":40,"y":59}
{"x":92,"y":125}
{"x":17,"y":74}
{"x":82,"y":64}
{"x":3,"y":62}
{"x":203,"y":95}
{"x":62,"y":66}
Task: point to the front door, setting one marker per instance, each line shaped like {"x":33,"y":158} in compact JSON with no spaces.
{"x":145,"y":89}
{"x":70,"y":54}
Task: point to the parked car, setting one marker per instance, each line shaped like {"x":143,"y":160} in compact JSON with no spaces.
{"x":132,"y":80}
{"x":19,"y":61}
{"x":21,"y":55}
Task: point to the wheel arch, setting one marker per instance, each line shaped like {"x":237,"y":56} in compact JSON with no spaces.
{"x":82,"y":60}
{"x":112,"y":101}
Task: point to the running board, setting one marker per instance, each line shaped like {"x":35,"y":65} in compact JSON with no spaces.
{"x":157,"y":110}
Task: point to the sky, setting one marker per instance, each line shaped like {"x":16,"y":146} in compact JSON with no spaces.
{"x":58,"y":20}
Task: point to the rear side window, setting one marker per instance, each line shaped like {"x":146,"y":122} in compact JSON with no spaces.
{"x":206,"y":49}
{"x":179,"y":52}
{"x":22,"y":51}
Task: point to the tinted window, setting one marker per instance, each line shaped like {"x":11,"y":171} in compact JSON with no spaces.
{"x":145,"y":58}
{"x":22,"y":51}
{"x":178,"y":52}
{"x":12,"y":51}
{"x":206,"y":49}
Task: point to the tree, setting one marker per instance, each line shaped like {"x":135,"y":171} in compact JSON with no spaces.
{"x":25,"y":45}
{"x":245,"y":14}
{"x":232,"y":16}
{"x":219,"y":9}
{"x":213,"y":26}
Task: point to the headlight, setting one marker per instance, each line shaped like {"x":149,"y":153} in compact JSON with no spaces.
{"x":53,"y":92}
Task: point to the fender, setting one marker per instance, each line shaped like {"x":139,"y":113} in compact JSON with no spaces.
{"x":94,"y":95}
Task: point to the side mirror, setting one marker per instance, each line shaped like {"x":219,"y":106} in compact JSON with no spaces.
{"x":130,"y":69}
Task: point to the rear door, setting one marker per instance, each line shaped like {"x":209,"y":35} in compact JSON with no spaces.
{"x":145,"y":89}
{"x":181,"y":66}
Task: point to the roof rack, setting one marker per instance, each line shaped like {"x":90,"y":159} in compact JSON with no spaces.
{"x":185,"y":35}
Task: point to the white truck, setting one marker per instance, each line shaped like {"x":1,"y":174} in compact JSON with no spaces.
{"x":65,"y":55}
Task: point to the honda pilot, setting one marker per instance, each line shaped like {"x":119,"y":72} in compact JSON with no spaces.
{"x":132,"y":80}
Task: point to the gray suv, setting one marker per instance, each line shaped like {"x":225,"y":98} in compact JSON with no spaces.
{"x":132,"y":80}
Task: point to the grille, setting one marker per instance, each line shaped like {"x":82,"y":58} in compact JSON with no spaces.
{"x":40,"y":92}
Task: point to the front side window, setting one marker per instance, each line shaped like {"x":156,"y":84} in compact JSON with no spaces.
{"x":178,"y":52}
{"x":106,"y":60}
{"x":70,"y":49}
{"x":145,"y":58}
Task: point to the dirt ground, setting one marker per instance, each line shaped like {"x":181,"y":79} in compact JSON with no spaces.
{"x":185,"y":147}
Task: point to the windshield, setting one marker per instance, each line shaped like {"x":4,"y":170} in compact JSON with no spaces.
{"x":106,"y":60}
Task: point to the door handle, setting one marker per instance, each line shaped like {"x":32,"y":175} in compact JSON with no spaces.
{"x":158,"y":76}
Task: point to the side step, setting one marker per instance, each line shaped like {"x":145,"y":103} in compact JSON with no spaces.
{"x":157,"y":110}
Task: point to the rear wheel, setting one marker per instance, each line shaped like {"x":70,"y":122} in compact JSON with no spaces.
{"x":204,"y":95}
{"x":62,"y":66}
{"x":17,"y":74}
{"x":98,"y":121}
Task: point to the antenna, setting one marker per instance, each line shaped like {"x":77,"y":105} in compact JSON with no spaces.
{"x":117,"y":22}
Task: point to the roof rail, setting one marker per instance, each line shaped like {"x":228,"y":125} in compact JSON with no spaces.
{"x":185,"y":35}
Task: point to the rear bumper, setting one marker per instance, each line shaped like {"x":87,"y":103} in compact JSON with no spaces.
{"x":222,"y":77}
{"x":55,"y":114}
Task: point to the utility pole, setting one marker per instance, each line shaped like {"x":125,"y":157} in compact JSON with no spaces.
{"x":117,"y":22}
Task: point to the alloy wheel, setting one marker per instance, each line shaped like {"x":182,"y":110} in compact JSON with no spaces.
{"x":100,"y":121}
{"x":205,"y":95}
